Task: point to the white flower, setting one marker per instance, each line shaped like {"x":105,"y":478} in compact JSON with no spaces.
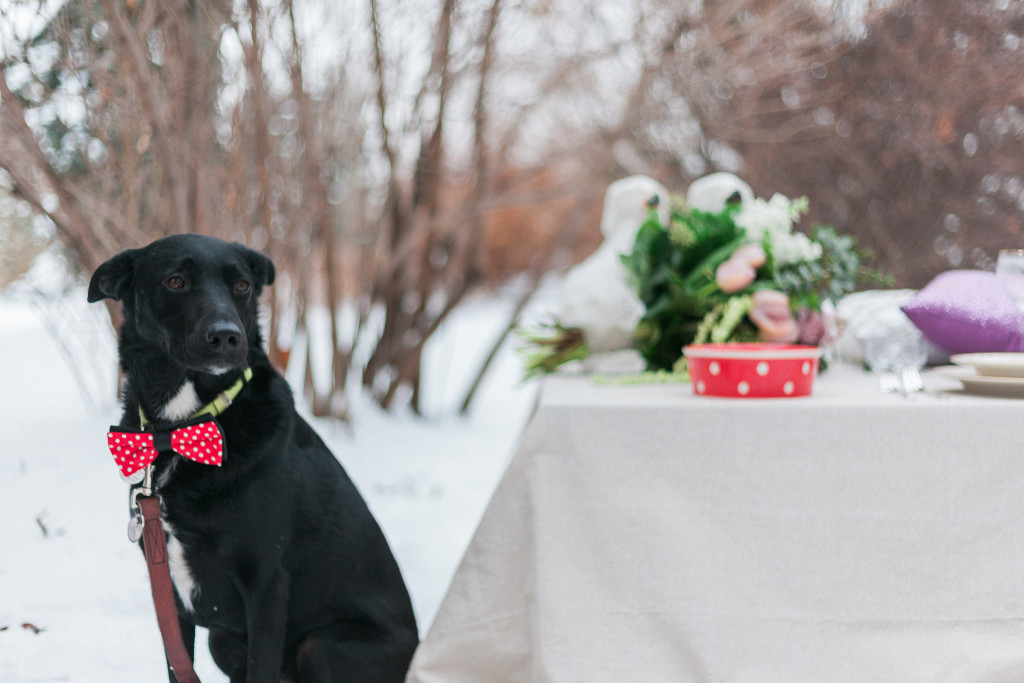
{"x":774,"y":218}
{"x":759,"y":217}
{"x":794,"y":247}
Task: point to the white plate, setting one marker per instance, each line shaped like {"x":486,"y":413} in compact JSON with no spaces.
{"x":992,"y":364}
{"x":1007,"y":387}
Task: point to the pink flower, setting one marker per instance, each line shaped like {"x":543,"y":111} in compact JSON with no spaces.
{"x":812,"y":326}
{"x":734,"y":275}
{"x":751,"y":254}
{"x":771,"y":313}
{"x":741,"y":269}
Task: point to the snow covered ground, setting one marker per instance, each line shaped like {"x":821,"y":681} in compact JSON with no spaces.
{"x":74,"y":595}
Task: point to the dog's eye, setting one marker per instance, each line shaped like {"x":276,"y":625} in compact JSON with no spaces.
{"x":175,"y":282}
{"x":241,"y":287}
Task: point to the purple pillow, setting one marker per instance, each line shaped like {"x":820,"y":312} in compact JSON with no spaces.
{"x":967,"y":311}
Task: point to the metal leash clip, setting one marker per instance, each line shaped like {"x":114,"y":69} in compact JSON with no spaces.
{"x":144,"y":489}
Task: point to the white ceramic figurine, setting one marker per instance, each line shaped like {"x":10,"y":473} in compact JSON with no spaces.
{"x":596,"y":296}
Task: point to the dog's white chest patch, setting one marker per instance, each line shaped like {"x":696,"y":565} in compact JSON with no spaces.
{"x":182,"y":404}
{"x":181,"y":575}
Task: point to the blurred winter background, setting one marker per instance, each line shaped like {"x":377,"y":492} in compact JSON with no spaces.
{"x":422,"y":172}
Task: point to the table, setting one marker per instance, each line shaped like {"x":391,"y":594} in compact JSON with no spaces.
{"x":642,"y":533}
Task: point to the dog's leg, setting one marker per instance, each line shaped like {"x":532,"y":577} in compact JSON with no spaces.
{"x":266,"y":609}
{"x":228,"y":649}
{"x":346,"y":652}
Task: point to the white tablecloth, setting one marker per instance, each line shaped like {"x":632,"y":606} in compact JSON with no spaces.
{"x":645,"y":534}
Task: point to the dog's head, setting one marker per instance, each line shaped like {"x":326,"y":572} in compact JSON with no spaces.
{"x":192,"y":296}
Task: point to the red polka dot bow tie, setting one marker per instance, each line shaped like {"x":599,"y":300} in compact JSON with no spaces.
{"x":200,"y":440}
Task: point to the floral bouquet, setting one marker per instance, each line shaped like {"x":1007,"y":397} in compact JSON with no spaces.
{"x":728,"y":267}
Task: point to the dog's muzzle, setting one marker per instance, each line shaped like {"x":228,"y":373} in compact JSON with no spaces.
{"x":221,"y":347}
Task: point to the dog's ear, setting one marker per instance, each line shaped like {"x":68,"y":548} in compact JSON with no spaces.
{"x":112,"y":279}
{"x":261,"y":266}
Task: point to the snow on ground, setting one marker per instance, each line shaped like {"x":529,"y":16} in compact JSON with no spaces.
{"x":66,"y":566}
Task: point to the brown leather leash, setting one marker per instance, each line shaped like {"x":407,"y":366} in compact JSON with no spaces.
{"x":154,"y":542}
{"x":147,"y":524}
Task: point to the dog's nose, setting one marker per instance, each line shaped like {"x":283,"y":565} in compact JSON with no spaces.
{"x":224,"y":335}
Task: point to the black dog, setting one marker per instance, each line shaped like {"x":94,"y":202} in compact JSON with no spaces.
{"x":274,"y":552}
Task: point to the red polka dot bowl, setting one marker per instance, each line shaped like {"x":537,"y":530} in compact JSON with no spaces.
{"x":752,"y":370}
